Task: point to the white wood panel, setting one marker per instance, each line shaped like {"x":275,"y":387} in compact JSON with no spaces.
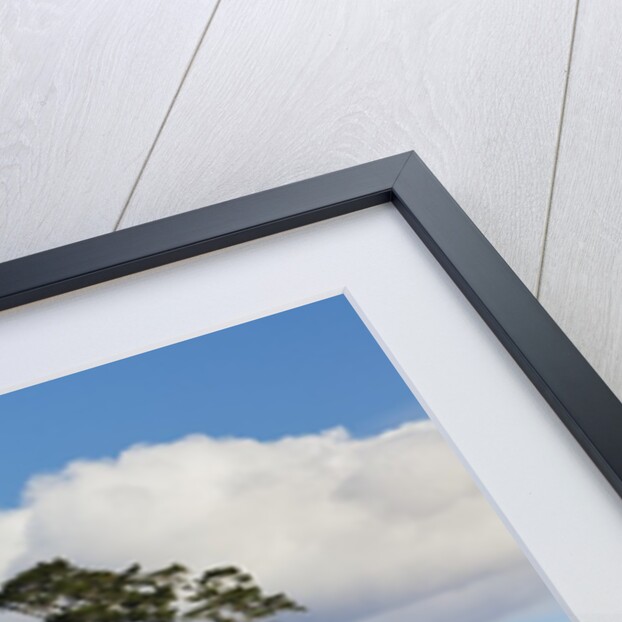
{"x":281,"y":91}
{"x":84,"y":87}
{"x":582,"y":276}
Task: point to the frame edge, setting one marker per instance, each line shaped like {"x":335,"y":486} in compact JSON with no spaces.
{"x":562,"y":375}
{"x":120,"y":253}
{"x":568,"y":383}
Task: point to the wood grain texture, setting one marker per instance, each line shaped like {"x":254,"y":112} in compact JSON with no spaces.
{"x":84,"y":87}
{"x":282,"y":91}
{"x":582,"y":275}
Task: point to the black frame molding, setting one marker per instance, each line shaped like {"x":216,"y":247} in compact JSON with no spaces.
{"x":572,"y":388}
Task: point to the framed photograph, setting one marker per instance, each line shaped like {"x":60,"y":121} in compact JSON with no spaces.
{"x":332,"y":400}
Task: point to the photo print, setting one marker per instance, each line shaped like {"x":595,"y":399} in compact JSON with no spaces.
{"x":278,"y":469}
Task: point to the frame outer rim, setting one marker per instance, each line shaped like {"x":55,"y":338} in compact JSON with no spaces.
{"x":575,"y":392}
{"x":572,"y":388}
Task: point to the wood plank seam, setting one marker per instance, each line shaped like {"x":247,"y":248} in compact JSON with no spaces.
{"x":167,"y":115}
{"x":547,"y":218}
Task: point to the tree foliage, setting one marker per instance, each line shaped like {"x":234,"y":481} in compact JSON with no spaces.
{"x":58,"y":591}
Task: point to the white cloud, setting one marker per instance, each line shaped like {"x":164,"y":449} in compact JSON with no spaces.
{"x":15,"y":617}
{"x":12,"y":537}
{"x":352,"y":528}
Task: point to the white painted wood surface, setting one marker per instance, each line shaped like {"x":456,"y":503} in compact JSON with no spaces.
{"x":84,"y":87}
{"x":582,"y":275}
{"x":284,"y":90}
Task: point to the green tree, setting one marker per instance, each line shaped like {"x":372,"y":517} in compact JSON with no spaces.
{"x":58,"y":591}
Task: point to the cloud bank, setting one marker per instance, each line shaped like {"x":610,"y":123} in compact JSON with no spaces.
{"x":383,"y":529}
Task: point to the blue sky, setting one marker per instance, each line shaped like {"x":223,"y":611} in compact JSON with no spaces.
{"x":296,"y":372}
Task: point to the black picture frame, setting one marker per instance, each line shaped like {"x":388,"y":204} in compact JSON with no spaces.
{"x":572,"y":388}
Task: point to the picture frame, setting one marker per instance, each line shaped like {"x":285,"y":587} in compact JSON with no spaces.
{"x":531,"y":421}
{"x":575,"y":392}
